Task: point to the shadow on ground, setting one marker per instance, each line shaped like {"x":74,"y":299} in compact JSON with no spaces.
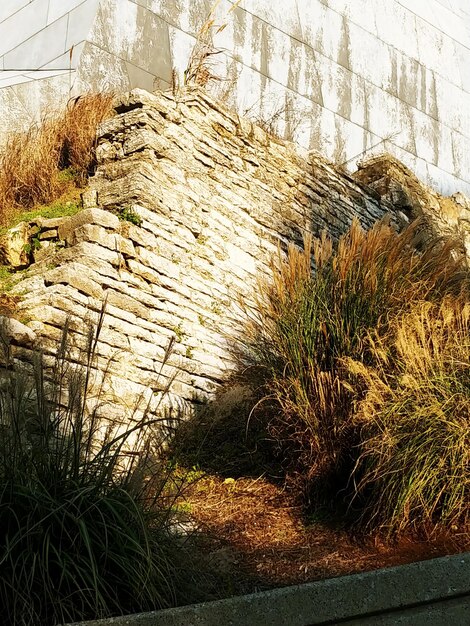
{"x":224,"y":437}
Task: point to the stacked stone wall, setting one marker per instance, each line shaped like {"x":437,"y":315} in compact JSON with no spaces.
{"x":187,"y":208}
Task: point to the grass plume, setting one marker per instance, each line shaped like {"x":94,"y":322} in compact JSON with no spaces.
{"x":413,"y":468}
{"x":86,"y":506}
{"x":199,"y":70}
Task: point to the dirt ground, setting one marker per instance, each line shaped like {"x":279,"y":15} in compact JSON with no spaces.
{"x":256,"y":535}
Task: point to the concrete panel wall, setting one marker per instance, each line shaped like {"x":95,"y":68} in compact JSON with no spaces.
{"x":430,"y":593}
{"x":40,"y":46}
{"x":346,"y":77}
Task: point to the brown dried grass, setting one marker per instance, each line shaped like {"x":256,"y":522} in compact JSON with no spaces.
{"x":308,"y":323}
{"x":200,"y":70}
{"x":32,"y":163}
{"x":413,"y":468}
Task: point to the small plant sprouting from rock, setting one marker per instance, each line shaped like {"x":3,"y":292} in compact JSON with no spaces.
{"x":128,"y":214}
{"x":32,"y":246}
{"x":7,"y":279}
{"x":179,"y":332}
{"x":216,"y":308}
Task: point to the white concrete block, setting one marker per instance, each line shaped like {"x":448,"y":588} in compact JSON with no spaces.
{"x":453,"y":106}
{"x":287,"y":16}
{"x":188,"y":16}
{"x":22,"y":25}
{"x":64,"y":60}
{"x":32,"y":95}
{"x":243,"y":38}
{"x":426,"y":136}
{"x":379,"y":68}
{"x":369,"y":57}
{"x":134,"y":34}
{"x":59,"y":8}
{"x":314,"y":19}
{"x":445,"y":155}
{"x":42,"y":74}
{"x":353,"y":143}
{"x":44,"y":45}
{"x":462,"y":60}
{"x":461,"y":152}
{"x":397,"y":27}
{"x":438,"y":51}
{"x":100,"y":71}
{"x":7,"y":79}
{"x":80,"y":22}
{"x":359,"y":12}
{"x":115,"y":29}
{"x":442,"y":17}
{"x":389,"y":118}
{"x":279,"y":55}
{"x":304,"y":74}
{"x":342,"y":91}
{"x":181,"y":45}
{"x":445,"y":182}
{"x":9,"y":7}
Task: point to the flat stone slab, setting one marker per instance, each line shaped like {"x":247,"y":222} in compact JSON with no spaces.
{"x":428,"y":593}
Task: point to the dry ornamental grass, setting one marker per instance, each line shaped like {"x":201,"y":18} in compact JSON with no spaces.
{"x":32,"y":164}
{"x":364,"y":364}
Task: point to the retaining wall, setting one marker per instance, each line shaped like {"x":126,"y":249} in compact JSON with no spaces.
{"x":429,"y":593}
{"x":214,"y":197}
{"x":189,"y":206}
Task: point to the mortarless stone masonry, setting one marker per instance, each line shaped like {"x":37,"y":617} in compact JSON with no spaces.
{"x":215,"y":197}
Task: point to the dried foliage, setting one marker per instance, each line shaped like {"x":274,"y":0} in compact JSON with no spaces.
{"x":37,"y":167}
{"x":414,"y":455}
{"x":200,"y":70}
{"x":309,"y":328}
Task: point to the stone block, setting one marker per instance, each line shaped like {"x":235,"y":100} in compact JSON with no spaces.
{"x":77,"y":276}
{"x":14,"y":246}
{"x":16,"y":331}
{"x":88,"y":216}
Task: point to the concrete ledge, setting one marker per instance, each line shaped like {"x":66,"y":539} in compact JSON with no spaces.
{"x":428,"y":593}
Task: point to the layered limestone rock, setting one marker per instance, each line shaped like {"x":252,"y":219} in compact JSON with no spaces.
{"x":397,"y":185}
{"x":187,"y":207}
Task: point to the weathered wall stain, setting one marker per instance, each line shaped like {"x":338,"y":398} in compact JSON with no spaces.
{"x":362,"y":74}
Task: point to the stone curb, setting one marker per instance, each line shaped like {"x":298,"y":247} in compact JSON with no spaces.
{"x":431,"y":593}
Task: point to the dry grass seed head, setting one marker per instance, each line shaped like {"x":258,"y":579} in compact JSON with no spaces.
{"x":413,"y":468}
{"x":200,"y":70}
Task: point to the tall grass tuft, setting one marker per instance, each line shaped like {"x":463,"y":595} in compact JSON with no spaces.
{"x":308,"y":322}
{"x":413,"y":469}
{"x":85,"y":508}
{"x":32,"y":163}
